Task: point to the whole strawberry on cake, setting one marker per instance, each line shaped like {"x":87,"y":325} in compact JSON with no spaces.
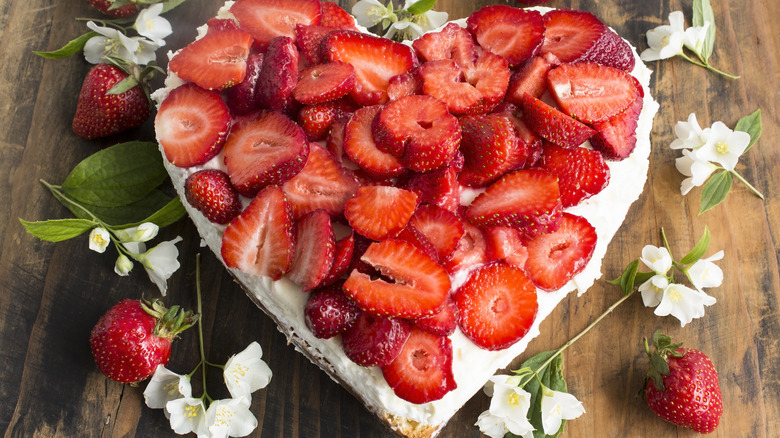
{"x":407,"y":213}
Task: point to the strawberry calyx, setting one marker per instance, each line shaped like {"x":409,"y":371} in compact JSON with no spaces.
{"x":662,"y":349}
{"x":170,"y":322}
{"x":136,"y":76}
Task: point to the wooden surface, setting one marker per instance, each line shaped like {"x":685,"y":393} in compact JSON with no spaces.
{"x":52,"y":294}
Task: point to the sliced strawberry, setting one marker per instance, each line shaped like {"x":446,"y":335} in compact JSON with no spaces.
{"x":216,"y":61}
{"x":328,"y":312}
{"x":219,"y":24}
{"x":490,"y":148}
{"x":242,"y":98}
{"x":569,"y":33}
{"x":438,"y":187}
{"x":412,"y":235}
{"x":610,"y":50}
{"x":422,"y":371}
{"x":490,"y":76}
{"x":313,"y":253}
{"x":374,"y":340}
{"x":264,"y":148}
{"x":192,"y":125}
{"x":405,"y":84}
{"x":504,"y":243}
{"x":279,"y":75}
{"x":324,"y":82}
{"x":334,"y":141}
{"x":516,"y":34}
{"x":443,"y":229}
{"x":210,"y":191}
{"x":420,"y":130}
{"x":420,"y":285}
{"x":496,"y":306}
{"x":268,"y":19}
{"x":308,"y":39}
{"x":323,"y":183}
{"x":342,"y":259}
{"x":533,"y":143}
{"x":616,"y":136}
{"x":591,"y":92}
{"x":451,"y":43}
{"x":528,"y":200}
{"x":530,"y":78}
{"x":444,"y":80}
{"x":556,"y":257}
{"x":581,"y":172}
{"x":259,"y":241}
{"x":379,"y":212}
{"x":470,"y":251}
{"x":316,"y":120}
{"x":375,"y":59}
{"x":442,"y":323}
{"x":335,"y":17}
{"x":360,"y":147}
{"x":552,"y":124}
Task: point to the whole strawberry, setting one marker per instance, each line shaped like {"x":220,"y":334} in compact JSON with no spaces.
{"x":100,"y":112}
{"x":210,"y":191}
{"x":682,"y":386}
{"x":125,"y":8}
{"x":134,"y":336}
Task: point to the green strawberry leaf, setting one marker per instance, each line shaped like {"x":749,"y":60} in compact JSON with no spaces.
{"x":72,"y":47}
{"x":702,"y":13}
{"x":752,"y":125}
{"x":715,"y":190}
{"x":123,"y":85}
{"x":59,"y":229}
{"x":421,"y":7}
{"x":699,"y":250}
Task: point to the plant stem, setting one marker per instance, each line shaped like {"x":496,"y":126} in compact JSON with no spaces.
{"x":200,"y":326}
{"x":753,"y":189}
{"x":707,"y":66}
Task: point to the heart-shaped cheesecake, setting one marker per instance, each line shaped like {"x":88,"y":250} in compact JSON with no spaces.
{"x":408,"y":214}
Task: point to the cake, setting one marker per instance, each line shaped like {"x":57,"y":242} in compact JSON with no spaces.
{"x":294,"y":254}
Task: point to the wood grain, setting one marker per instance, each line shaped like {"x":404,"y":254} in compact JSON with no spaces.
{"x":52,"y":294}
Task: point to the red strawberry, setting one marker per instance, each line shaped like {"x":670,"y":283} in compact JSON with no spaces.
{"x":375,"y":59}
{"x":334,"y":141}
{"x":379,"y":212}
{"x":682,"y":386}
{"x":264,"y":148}
{"x":533,"y":143}
{"x":324,"y":82}
{"x":610,"y":50}
{"x":134,"y":337}
{"x":268,"y":19}
{"x":420,"y":285}
{"x":532,"y":2}
{"x":422,"y":371}
{"x":218,"y":60}
{"x":419,"y":130}
{"x":443,"y":229}
{"x":496,"y":306}
{"x":242,"y":98}
{"x":438,"y":187}
{"x":490,"y":76}
{"x":581,"y":172}
{"x":313,"y":254}
{"x":504,"y":243}
{"x":323,"y":183}
{"x":444,"y":80}
{"x":328,"y":312}
{"x":219,"y":24}
{"x":490,"y":148}
{"x":360,"y":147}
{"x":516,"y":34}
{"x":412,"y":235}
{"x":374,"y":340}
{"x":616,"y":136}
{"x":528,"y":200}
{"x":192,"y":125}
{"x":451,"y":43}
{"x":569,"y":33}
{"x":259,"y":241}
{"x":210,"y":191}
{"x":107,"y":7}
{"x":470,"y":250}
{"x":530,"y":78}
{"x":317,"y":120}
{"x":405,"y":84}
{"x":279,"y":75}
{"x":308,"y":39}
{"x":342,"y":258}
{"x":552,"y":124}
{"x":555,"y":257}
{"x":335,"y":17}
{"x":442,"y":323}
{"x":101,"y":114}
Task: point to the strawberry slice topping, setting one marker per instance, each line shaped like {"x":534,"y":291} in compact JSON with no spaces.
{"x":218,"y":60}
{"x":259,"y":241}
{"x":335,"y":17}
{"x":442,"y":323}
{"x":444,"y":80}
{"x":268,"y":19}
{"x":569,"y":33}
{"x":553,"y":125}
{"x":313,"y":254}
{"x":324,"y":82}
{"x":610,"y":50}
{"x":451,"y":43}
{"x":581,"y":172}
{"x":242,"y":98}
{"x":420,"y":285}
{"x":504,"y":243}
{"x":554,"y":258}
{"x":496,"y":306}
{"x":308,"y":39}
{"x":530,"y":78}
{"x":328,"y":312}
{"x":470,"y":250}
{"x":516,"y":34}
{"x":360,"y":147}
{"x":342,"y":259}
{"x":405,"y":84}
{"x":264,"y":148}
{"x":374,"y":340}
{"x":443,"y":229}
{"x":191,"y":125}
{"x":616,"y":136}
{"x":490,"y":76}
{"x":490,"y":148}
{"x":438,"y":187}
{"x":422,"y":371}
{"x":210,"y":191}
{"x":279,"y":75}
{"x":379,"y":212}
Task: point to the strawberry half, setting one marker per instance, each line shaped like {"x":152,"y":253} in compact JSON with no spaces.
{"x":451,"y":43}
{"x":490,"y":148}
{"x":610,"y":50}
{"x":328,"y":312}
{"x":191,"y":125}
{"x":379,"y":212}
{"x":324,"y":82}
{"x":438,"y":187}
{"x":405,"y":84}
{"x":342,"y":259}
{"x":553,"y":125}
{"x":570,"y":33}
{"x":555,"y":257}
{"x":335,"y":17}
{"x":420,"y":285}
{"x":264,"y":148}
{"x":308,"y":39}
{"x":313,"y":253}
{"x":268,"y":19}
{"x":516,"y":34}
{"x":242,"y":98}
{"x":210,"y":191}
{"x":581,"y":172}
{"x":530,"y":78}
{"x":216,"y":61}
{"x":496,"y":306}
{"x":374,"y":340}
{"x":616,"y":136}
{"x":259,"y":241}
{"x":360,"y":147}
{"x":422,"y":371}
{"x":279,"y":75}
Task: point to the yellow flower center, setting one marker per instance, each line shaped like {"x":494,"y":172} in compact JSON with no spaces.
{"x":223,"y":417}
{"x":722,"y":147}
{"x":675,"y":295}
{"x":191,"y":412}
{"x":171,"y":388}
{"x":514,"y":400}
{"x":239,"y":371}
{"x":665,"y":41}
{"x":99,"y":240}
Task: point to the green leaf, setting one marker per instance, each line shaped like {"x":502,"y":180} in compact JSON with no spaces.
{"x":627,"y":279}
{"x":702,"y":13}
{"x":157,"y":207}
{"x":69,"y":49}
{"x":123,"y":85}
{"x":699,"y":250}
{"x":551,"y":377}
{"x":170,"y":4}
{"x":168,"y":214}
{"x":421,"y":7}
{"x":715,"y":190}
{"x":116,"y":176}
{"x":59,"y":229}
{"x":752,"y":125}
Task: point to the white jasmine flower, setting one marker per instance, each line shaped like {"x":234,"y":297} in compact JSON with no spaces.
{"x":694,"y":37}
{"x":511,"y":403}
{"x":142,"y":233}
{"x":428,"y":20}
{"x":164,"y":386}
{"x":408,"y":29}
{"x":704,"y":273}
{"x":491,"y":425}
{"x":369,"y":13}
{"x":230,"y":417}
{"x":665,"y":41}
{"x":556,"y":407}
{"x":246,"y":372}
{"x":146,"y":50}
{"x":723,"y":146}
{"x":657,"y":259}
{"x":695,"y":169}
{"x":123,"y":266}
{"x":187,"y":415}
{"x":150,"y":24}
{"x":109,"y":42}
{"x":689,"y":134}
{"x":161,"y":262}
{"x":653,"y":289}
{"x":683,"y":303}
{"x":99,"y":238}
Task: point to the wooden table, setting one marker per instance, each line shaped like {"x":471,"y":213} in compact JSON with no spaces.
{"x":52,"y":294}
